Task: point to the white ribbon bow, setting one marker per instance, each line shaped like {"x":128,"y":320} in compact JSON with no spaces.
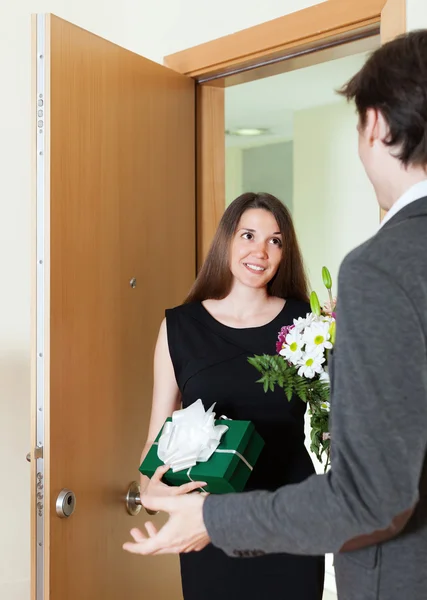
{"x":190,"y":437}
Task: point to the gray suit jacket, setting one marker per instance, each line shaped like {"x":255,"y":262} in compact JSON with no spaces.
{"x":371,"y":508}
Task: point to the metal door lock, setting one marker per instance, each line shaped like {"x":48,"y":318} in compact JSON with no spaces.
{"x":38,"y":453}
{"x":65,"y":504}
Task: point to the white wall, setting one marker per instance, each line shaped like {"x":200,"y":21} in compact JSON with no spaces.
{"x":416,"y":14}
{"x":152,"y":29}
{"x":233,"y":174}
{"x":334,"y":204}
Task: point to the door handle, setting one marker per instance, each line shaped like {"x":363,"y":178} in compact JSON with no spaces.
{"x":133,"y":500}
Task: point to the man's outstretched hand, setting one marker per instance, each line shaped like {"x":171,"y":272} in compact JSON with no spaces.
{"x":184,"y":531}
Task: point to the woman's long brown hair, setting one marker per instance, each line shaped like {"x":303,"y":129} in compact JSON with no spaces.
{"x":215,"y":278}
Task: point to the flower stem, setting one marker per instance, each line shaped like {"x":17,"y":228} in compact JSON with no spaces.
{"x":331,"y":300}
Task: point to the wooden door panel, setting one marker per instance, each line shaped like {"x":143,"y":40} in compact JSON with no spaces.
{"x":122,"y":206}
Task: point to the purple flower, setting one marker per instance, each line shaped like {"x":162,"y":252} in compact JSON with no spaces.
{"x":281,"y":340}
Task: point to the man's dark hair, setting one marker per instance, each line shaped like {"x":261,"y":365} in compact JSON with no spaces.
{"x":394,"y":81}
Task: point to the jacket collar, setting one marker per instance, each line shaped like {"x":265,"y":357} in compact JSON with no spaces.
{"x":418,"y":208}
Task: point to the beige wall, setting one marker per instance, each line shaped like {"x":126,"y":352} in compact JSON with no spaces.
{"x":334,"y":204}
{"x":152,"y":29}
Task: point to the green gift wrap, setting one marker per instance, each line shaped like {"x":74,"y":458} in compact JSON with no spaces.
{"x":228,"y":468}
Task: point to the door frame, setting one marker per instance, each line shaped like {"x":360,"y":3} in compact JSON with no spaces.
{"x":322,"y":32}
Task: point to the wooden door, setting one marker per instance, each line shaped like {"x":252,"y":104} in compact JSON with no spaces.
{"x":114,"y":245}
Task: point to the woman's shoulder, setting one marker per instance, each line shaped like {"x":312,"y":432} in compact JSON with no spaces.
{"x":183,"y":310}
{"x":179,"y":319}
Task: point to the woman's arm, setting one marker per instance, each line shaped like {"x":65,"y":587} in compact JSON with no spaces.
{"x":166,"y":394}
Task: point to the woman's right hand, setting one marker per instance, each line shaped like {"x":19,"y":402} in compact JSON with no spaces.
{"x":156,"y":487}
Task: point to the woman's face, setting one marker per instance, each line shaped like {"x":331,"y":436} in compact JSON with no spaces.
{"x":256,"y":248}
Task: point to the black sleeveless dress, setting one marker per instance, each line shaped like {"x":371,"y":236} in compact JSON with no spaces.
{"x":210,"y":362}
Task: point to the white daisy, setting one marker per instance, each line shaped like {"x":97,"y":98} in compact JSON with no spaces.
{"x":311,"y":364}
{"x":317,"y":336}
{"x":326,"y":406}
{"x":292,"y":351}
{"x":301,"y":323}
{"x":325,"y":378}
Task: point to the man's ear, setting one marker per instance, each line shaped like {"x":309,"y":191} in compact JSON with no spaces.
{"x":373,"y":126}
{"x":378,"y":126}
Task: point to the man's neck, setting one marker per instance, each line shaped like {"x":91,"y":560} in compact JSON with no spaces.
{"x":398,"y":185}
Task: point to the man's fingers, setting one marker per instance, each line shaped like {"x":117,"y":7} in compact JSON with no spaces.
{"x":196,"y":547}
{"x":152,"y":545}
{"x":132,"y":548}
{"x":159,"y":472}
{"x":166,"y":551}
{"x":143,"y":548}
{"x":151,"y":529}
{"x":139,"y":538}
{"x":186,"y":488}
{"x":137,"y":535}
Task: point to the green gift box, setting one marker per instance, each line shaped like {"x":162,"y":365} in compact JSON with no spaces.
{"x":229,"y":467}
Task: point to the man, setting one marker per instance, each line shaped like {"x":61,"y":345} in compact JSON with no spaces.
{"x":371,"y":508}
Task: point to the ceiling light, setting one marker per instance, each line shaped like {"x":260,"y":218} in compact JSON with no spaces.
{"x":247,"y":131}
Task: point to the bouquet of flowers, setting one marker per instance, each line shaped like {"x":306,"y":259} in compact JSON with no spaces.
{"x":300,"y":365}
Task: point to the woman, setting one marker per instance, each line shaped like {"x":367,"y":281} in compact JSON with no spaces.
{"x":252,"y":283}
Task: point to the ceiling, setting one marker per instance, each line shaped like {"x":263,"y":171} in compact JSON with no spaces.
{"x":270,"y":103}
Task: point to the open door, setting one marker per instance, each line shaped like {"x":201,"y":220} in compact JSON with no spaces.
{"x":114,"y":216}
